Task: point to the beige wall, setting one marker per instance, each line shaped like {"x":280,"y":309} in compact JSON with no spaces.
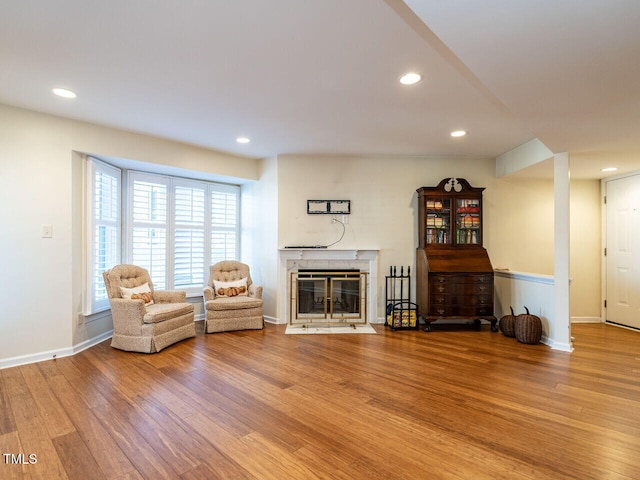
{"x":41,"y":180}
{"x":586,"y":250}
{"x":518,"y":214}
{"x":522,"y":236}
{"x":383,"y":198}
{"x":520,"y":225}
{"x":101,"y":141}
{"x":41,"y":183}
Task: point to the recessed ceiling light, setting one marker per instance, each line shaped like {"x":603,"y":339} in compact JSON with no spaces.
{"x":243,"y":140}
{"x":458,"y":133}
{"x":410,"y":78}
{"x":608,"y":169}
{"x":63,"y":92}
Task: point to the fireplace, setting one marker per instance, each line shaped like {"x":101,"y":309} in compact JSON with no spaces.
{"x":361,"y":264}
{"x":328,"y":296}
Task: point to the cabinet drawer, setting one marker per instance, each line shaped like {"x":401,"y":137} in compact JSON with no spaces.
{"x":460,"y":310}
{"x":483,"y":279}
{"x":479,"y":300}
{"x":441,"y":279}
{"x":460,"y":299}
{"x":466,"y":278}
{"x":483,"y":310}
{"x":461,"y":289}
{"x":482,"y":288}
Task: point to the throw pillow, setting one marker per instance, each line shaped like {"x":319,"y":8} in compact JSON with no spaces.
{"x":231,"y":289}
{"x":142,"y":291}
{"x":146,"y":296}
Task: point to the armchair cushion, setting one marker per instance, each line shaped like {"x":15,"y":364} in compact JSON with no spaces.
{"x":160,"y":312}
{"x":233,"y":303}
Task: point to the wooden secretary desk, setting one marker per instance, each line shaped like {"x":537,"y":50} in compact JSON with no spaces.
{"x":454,"y":276}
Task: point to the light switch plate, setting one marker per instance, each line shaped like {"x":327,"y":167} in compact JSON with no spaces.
{"x":47,"y":231}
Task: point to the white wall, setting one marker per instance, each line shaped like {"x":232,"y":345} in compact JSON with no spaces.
{"x":260,"y":233}
{"x":41,"y":183}
{"x":36,"y":189}
{"x":534,"y":291}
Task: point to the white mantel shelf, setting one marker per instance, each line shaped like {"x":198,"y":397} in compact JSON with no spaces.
{"x":292,"y":259}
{"x":327,"y":253}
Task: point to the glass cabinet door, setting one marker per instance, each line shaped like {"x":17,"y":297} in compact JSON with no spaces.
{"x":438,"y":217}
{"x":468,"y":222}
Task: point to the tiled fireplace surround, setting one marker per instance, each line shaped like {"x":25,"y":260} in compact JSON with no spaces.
{"x":293,"y":259}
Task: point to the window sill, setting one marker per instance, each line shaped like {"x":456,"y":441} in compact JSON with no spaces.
{"x":92,"y":317}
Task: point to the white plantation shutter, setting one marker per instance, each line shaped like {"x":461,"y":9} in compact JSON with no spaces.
{"x":178,"y":227}
{"x":148,"y":208}
{"x":189,"y":227}
{"x":225,"y":209}
{"x":103,"y":190}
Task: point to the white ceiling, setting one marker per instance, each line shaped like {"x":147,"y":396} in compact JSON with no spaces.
{"x":321,"y":77}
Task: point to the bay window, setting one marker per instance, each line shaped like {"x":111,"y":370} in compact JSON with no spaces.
{"x":171,"y":226}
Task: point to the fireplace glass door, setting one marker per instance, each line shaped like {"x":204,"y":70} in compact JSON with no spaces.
{"x":334,"y":296}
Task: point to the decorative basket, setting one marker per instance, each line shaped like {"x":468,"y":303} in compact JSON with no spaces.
{"x":528,"y":328}
{"x":507,"y":324}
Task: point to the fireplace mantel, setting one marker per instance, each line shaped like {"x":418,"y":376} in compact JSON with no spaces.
{"x":292,"y":259}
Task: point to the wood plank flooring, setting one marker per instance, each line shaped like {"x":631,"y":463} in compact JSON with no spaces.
{"x":455,"y":403}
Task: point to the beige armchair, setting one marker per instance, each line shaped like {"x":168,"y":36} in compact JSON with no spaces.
{"x":145,"y":320}
{"x":232,"y":301}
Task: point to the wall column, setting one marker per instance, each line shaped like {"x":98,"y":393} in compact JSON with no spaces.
{"x":561,"y":329}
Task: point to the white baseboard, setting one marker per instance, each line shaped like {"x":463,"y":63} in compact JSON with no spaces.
{"x":565,"y":347}
{"x":35,"y":357}
{"x":586,"y":320}
{"x":53,"y":354}
{"x":92,"y":341}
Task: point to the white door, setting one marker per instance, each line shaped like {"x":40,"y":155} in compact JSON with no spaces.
{"x":623,"y":251}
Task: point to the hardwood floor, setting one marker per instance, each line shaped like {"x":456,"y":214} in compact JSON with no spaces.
{"x":452,"y":403}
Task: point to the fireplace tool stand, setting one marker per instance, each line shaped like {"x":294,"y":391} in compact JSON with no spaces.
{"x":401,"y":312}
